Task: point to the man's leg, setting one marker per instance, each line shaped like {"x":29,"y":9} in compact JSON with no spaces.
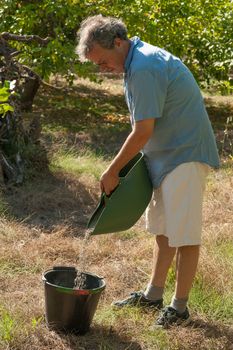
{"x":186,"y":267}
{"x":163,"y":256}
{"x":162,"y":259}
{"x":153,"y":296}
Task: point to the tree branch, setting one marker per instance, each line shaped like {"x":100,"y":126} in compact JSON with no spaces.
{"x":25,"y":38}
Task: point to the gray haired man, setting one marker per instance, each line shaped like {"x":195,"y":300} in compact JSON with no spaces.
{"x":171,"y":126}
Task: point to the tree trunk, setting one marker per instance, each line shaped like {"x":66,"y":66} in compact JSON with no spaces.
{"x":29,"y":90}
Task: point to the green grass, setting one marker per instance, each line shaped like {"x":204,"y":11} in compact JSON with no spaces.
{"x":225,"y":251}
{"x":12,"y":267}
{"x":14,"y":326}
{"x":69,"y":126}
{"x":7,"y":326}
{"x":106,"y":316}
{"x":157,"y":339}
{"x":135,"y":319}
{"x":84,"y":163}
{"x":205,"y":298}
{"x":128,"y":235}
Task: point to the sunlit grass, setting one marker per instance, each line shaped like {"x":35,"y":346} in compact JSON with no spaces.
{"x":128,"y":235}
{"x":204,"y":297}
{"x":14,"y":327}
{"x":11,"y":267}
{"x":7,"y":326}
{"x":85,"y":163}
{"x":132,"y":319}
{"x":227,"y":165}
{"x":225,"y":250}
{"x":206,"y":300}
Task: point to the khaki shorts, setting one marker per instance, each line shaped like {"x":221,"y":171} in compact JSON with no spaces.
{"x":175,"y":210}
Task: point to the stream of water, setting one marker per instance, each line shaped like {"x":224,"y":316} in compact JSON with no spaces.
{"x":80,"y":280}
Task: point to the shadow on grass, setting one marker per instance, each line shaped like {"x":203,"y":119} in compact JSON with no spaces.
{"x":79,"y":107}
{"x":100,"y":119}
{"x":48,"y":200}
{"x":100,"y":337}
{"x":84,"y":115}
{"x":212,"y":330}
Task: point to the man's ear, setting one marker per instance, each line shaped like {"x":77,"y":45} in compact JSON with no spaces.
{"x":117,"y":42}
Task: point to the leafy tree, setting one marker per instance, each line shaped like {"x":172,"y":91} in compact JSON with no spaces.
{"x":198,"y":31}
{"x":18,"y":86}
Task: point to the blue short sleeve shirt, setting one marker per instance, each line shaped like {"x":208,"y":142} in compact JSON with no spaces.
{"x":158,"y":85}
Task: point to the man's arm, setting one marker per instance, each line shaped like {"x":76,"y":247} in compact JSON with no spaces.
{"x":141,"y":133}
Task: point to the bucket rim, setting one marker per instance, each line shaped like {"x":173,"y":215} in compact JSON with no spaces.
{"x":72,"y":290}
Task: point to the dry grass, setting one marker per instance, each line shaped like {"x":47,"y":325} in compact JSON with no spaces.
{"x":28,"y":251}
{"x":45,"y":227}
{"x":216,"y":260}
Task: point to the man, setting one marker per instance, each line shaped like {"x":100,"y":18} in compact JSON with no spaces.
{"x":171,"y":126}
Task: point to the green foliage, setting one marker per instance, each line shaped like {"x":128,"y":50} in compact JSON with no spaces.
{"x":4,"y":108}
{"x":57,"y":19}
{"x":198,"y":31}
{"x":4,"y":97}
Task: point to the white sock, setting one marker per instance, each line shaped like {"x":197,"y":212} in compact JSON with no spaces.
{"x":179,"y":304}
{"x":153,"y":292}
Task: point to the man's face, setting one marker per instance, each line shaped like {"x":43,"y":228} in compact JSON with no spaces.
{"x":108,"y":60}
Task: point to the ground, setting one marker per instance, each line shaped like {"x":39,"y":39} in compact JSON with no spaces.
{"x":43,"y":224}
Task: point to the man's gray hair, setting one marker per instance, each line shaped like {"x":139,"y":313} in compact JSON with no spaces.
{"x":101,"y":30}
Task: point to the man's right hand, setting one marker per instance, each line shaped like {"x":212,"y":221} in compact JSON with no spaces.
{"x":109,"y":181}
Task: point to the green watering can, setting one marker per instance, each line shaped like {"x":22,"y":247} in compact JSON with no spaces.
{"x":126,"y":204}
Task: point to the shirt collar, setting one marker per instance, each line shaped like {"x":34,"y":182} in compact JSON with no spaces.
{"x":133,"y":42}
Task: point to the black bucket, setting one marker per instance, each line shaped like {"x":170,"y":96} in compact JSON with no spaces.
{"x":68,"y":309}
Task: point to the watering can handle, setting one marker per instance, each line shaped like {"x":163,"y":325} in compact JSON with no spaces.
{"x":105,"y":197}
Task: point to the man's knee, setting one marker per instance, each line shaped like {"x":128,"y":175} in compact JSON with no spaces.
{"x":163,"y":243}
